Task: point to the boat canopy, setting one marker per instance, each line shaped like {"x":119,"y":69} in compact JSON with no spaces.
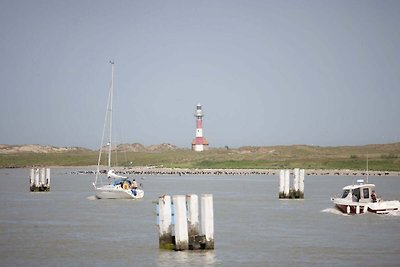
{"x":352,"y":187}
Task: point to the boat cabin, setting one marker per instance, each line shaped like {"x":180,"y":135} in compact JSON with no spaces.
{"x":359,"y":192}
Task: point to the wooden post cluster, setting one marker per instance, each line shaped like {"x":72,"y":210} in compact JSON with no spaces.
{"x":179,"y":224}
{"x":40,"y":180}
{"x":296,"y":191}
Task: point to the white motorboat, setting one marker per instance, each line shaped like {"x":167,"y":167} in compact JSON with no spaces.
{"x":361,"y":198}
{"x":117,"y":186}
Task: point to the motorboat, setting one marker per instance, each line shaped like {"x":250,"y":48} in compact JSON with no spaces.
{"x":361,"y":198}
{"x":116,"y":186}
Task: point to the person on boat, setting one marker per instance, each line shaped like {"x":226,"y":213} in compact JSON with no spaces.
{"x":125,"y":185}
{"x":134,"y":185}
{"x":356,"y":195}
{"x":373,"y":196}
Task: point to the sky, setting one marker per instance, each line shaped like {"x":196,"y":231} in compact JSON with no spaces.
{"x":267,"y":73}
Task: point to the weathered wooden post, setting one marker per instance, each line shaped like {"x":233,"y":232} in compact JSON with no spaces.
{"x":181,"y":225}
{"x":37,"y":178}
{"x":292,"y":190}
{"x":166,"y":240}
{"x":301,"y":183}
{"x":281,"y":184}
{"x":42,"y":177}
{"x":192,"y":202}
{"x":295,"y":189}
{"x":48,"y":178}
{"x":32,"y":178}
{"x":179,"y":222}
{"x":296,"y":183}
{"x":287,"y":184}
{"x":40,"y":180}
{"x":207,"y":220}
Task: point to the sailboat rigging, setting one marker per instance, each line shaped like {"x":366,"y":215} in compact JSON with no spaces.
{"x":118,"y":187}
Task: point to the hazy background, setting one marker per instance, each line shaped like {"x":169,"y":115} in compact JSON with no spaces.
{"x":266,"y":72}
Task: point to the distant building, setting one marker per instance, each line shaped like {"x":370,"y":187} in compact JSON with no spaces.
{"x":199,"y":143}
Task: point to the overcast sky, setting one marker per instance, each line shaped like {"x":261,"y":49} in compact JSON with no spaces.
{"x":266,"y":72}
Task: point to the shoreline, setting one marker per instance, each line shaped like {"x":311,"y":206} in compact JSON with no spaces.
{"x":217,"y":172}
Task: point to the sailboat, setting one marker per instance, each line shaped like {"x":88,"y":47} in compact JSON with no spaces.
{"x":117,"y":186}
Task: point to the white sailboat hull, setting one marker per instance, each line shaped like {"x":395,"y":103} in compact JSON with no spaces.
{"x":114,"y":192}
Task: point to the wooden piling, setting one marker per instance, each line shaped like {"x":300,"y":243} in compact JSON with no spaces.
{"x":32,"y":177}
{"x":281,"y":184}
{"x":287,"y":184}
{"x":181,"y":225}
{"x":294,"y":190}
{"x":39,"y":180}
{"x":296,"y":182}
{"x":37,"y":176}
{"x":301,"y":183}
{"x":42,"y":176}
{"x":48,"y":177}
{"x":207,"y":220}
{"x":166,"y":241}
{"x":192,"y":202}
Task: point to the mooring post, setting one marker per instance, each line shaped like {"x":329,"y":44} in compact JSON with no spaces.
{"x":296,"y":183}
{"x":281,"y":184}
{"x":165,"y":222}
{"x":207,"y":220}
{"x":192,"y":202}
{"x":48,"y":177}
{"x":42,"y":177}
{"x":301,"y":183}
{"x":287,"y":184}
{"x":37,"y":177}
{"x":181,"y":225}
{"x":32,"y":177}
{"x":40,"y":180}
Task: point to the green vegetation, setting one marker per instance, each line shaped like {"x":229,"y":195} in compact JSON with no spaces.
{"x":384,"y":157}
{"x":76,"y":158}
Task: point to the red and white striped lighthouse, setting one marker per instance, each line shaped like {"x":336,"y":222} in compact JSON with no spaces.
{"x":200,"y":143}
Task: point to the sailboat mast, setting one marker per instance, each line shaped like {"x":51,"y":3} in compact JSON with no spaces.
{"x":367,"y":168}
{"x":107,"y":116}
{"x":110,"y":114}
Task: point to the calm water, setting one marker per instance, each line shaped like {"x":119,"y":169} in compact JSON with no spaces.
{"x":69,"y":227}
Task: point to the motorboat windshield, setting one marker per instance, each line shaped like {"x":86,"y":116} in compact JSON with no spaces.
{"x":345,"y":193}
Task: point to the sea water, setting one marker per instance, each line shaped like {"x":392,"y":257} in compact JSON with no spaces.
{"x":68,"y":226}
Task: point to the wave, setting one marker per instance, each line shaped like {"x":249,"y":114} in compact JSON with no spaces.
{"x":395,"y":213}
{"x":334,"y":211}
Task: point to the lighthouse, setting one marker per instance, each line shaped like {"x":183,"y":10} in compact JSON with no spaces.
{"x":199,"y":143}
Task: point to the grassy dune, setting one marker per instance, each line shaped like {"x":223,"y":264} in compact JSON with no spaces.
{"x":78,"y":158}
{"x":385,"y":157}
